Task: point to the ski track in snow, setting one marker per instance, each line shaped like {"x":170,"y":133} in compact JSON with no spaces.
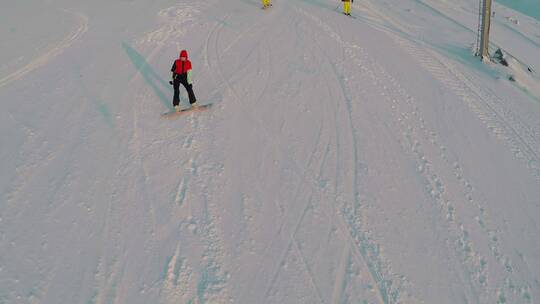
{"x":54,"y":50}
{"x":475,"y":264}
{"x":192,"y":237}
{"x":371,"y":264}
{"x":304,"y":173}
{"x":359,"y":258}
{"x":213,"y":62}
{"x":354,"y":228}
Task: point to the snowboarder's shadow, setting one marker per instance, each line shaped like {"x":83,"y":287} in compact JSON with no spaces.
{"x":149,"y":75}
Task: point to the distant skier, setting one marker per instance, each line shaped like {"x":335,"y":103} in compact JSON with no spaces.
{"x":347,"y":6}
{"x":266,"y":4}
{"x":181,"y":74}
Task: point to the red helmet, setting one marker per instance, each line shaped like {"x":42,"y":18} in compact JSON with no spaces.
{"x":184,"y":55}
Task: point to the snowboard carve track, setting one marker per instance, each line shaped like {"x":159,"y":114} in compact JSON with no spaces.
{"x":354,"y":231}
{"x":213,"y":62}
{"x":287,"y":250}
{"x":293,"y":240}
{"x":53,"y":52}
{"x":308,"y":271}
{"x":177,"y":278}
{"x":302,"y":173}
{"x":263,"y":131}
{"x":181,"y":192}
{"x":311,"y":182}
{"x":341,"y":273}
{"x":341,"y":225}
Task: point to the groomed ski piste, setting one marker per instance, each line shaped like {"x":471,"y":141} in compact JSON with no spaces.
{"x":370,"y":159}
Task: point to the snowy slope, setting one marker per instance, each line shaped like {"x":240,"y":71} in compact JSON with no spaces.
{"x":527,"y":7}
{"x":344,"y":160}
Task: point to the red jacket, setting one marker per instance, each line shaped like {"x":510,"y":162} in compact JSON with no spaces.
{"x":182,"y":65}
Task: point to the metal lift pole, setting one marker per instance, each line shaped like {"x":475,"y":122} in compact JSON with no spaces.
{"x":486,"y":23}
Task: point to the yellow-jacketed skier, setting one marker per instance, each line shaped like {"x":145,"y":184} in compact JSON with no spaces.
{"x":347,"y":7}
{"x":266,"y":4}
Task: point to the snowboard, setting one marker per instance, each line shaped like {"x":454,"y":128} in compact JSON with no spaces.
{"x":173,"y":113}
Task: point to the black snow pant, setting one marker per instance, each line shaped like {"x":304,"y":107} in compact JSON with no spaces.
{"x":182,"y":79}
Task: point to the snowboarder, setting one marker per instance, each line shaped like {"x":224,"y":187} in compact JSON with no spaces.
{"x":181,"y":74}
{"x":266,"y":4}
{"x":347,"y":6}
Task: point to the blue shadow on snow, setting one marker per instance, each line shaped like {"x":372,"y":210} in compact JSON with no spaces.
{"x":149,"y":75}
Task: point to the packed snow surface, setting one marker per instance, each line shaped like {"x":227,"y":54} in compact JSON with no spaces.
{"x":363,"y":159}
{"x":527,"y":7}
